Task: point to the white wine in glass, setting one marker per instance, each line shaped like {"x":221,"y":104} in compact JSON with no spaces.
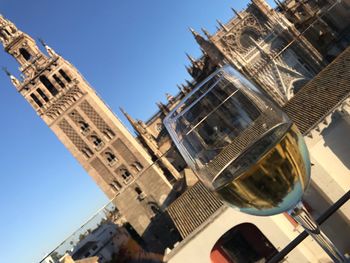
{"x":245,"y":149}
{"x":273,"y":178}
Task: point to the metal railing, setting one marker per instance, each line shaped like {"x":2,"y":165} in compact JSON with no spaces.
{"x":320,"y":220}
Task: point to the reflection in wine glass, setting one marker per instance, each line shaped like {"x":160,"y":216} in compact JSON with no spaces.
{"x":245,"y":149}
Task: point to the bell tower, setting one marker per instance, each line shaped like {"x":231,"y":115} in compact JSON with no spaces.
{"x":88,"y":128}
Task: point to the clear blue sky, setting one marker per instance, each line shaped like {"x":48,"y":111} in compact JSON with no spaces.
{"x":131,"y":52}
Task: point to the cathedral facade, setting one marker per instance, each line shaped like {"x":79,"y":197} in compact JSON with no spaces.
{"x":280,"y":49}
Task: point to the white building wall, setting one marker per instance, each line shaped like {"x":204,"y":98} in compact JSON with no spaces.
{"x":277,"y":229}
{"x":330,"y":173}
{"x":331,"y":150}
{"x":330,"y":156}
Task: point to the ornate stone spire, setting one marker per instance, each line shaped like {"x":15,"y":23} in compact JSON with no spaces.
{"x":8,"y":31}
{"x":22,"y":47}
{"x":206,"y":33}
{"x":222,"y":25}
{"x":13,"y":79}
{"x":189,"y":83}
{"x":49,"y":50}
{"x":236,"y":13}
{"x":194,"y":33}
{"x":148,"y":138}
{"x":187,"y":89}
{"x":190,"y":58}
{"x":181,"y":89}
{"x":130,"y":119}
{"x":200,"y":40}
{"x":164,"y":109}
{"x":169,"y":97}
{"x":209,"y":47}
{"x":189,"y":70}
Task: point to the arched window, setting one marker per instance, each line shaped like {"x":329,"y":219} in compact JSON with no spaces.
{"x":64,"y":75}
{"x":137,"y":166}
{"x":126,"y":175}
{"x":138,"y":190}
{"x":58,"y":80}
{"x":116,"y":185}
{"x":51,"y":88}
{"x":140,"y":194}
{"x":108,"y":134}
{"x":25,"y":54}
{"x":84,"y":127}
{"x":87,"y":152}
{"x":98,"y":143}
{"x":111,"y":158}
{"x":36,"y":100}
{"x":154,"y":208}
{"x":42,"y":94}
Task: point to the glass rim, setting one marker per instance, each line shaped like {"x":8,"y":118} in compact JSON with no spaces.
{"x":169,"y":118}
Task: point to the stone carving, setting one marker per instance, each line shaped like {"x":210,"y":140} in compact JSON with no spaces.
{"x":63,"y":103}
{"x":239,"y":38}
{"x":72,"y":135}
{"x":7,"y":30}
{"x":95,"y":118}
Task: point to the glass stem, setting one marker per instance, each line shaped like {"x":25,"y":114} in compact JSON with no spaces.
{"x":303,"y":217}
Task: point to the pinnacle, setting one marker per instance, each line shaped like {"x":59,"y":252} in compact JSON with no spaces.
{"x":5,"y":69}
{"x":190,"y":58}
{"x":122,"y":110}
{"x":193,"y":31}
{"x":42,"y":41}
{"x":206,"y":32}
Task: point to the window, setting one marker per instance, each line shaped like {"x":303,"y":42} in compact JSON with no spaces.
{"x":44,"y":80}
{"x":65,"y":76}
{"x":137,"y":166}
{"x":138,"y":190}
{"x":111,"y":158}
{"x":59,"y":81}
{"x":87,"y":152}
{"x":116,"y":185}
{"x":154,"y":208}
{"x":108,"y":134}
{"x":140,"y":194}
{"x":25,"y":54}
{"x":42,"y":94}
{"x":36,"y":100}
{"x":126,"y":175}
{"x":96,"y":141}
{"x":84,"y":127}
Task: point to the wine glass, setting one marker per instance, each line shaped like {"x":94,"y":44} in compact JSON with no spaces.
{"x":245,"y":149}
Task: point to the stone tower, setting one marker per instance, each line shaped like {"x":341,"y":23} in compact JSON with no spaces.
{"x":88,"y":128}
